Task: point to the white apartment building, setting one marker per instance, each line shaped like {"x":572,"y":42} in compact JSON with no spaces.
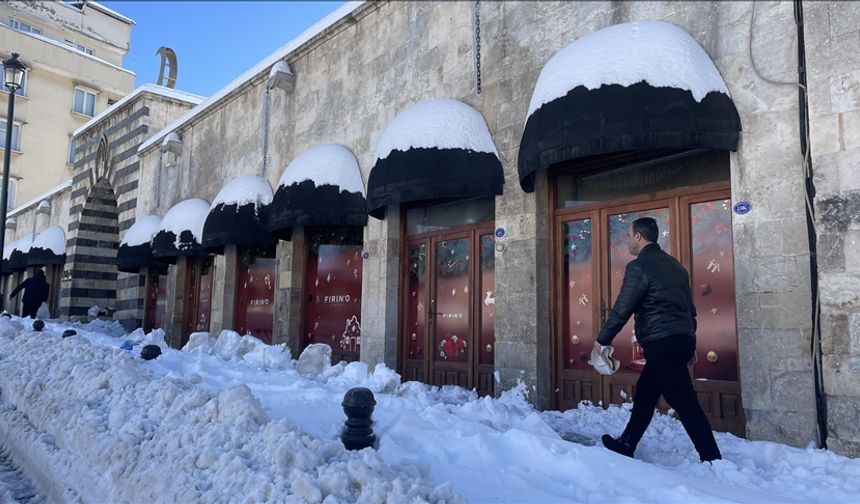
{"x":73,"y":52}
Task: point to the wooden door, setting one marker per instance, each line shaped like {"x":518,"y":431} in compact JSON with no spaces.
{"x":332,"y":304}
{"x":156,"y":301}
{"x":590,"y":258}
{"x":449,"y":308}
{"x":198,"y":299}
{"x":255,"y":297}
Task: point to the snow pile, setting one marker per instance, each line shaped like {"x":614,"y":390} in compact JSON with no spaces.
{"x":188,"y":215}
{"x":325,"y":165}
{"x":104,"y":425}
{"x":111,"y":430}
{"x":657,"y":52}
{"x":141,"y":231}
{"x":243,"y":191}
{"x":53,"y":239}
{"x":22,"y":245}
{"x":230,"y":345}
{"x":441,"y":124}
{"x":7,"y":250}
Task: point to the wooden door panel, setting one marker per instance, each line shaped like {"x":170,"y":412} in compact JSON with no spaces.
{"x":577,"y":387}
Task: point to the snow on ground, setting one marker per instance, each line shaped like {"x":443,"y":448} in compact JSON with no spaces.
{"x":232,"y":419}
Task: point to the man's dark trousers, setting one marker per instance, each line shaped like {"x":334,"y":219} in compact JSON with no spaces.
{"x":666,"y":374}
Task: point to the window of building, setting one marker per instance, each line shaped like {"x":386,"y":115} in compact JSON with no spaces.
{"x":79,"y":47}
{"x":85,"y":101}
{"x":16,"y":134}
{"x":22,"y":91}
{"x":24,"y":27}
{"x":71,"y":159}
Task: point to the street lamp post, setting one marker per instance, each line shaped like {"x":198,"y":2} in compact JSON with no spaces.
{"x":13,"y":79}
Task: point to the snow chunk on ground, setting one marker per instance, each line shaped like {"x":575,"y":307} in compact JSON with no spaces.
{"x":327,"y":164}
{"x":314,"y":359}
{"x":443,"y":124}
{"x":238,"y":401}
{"x":141,"y":231}
{"x":187,"y":215}
{"x":53,"y":239}
{"x":656,"y":52}
{"x":243,"y":191}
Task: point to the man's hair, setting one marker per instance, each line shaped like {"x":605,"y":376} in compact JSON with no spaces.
{"x":647,"y":227}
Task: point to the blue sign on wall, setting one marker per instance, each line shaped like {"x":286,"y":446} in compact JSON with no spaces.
{"x":742,"y":207}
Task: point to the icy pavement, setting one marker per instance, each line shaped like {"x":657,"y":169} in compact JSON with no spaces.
{"x":14,"y":485}
{"x":234,"y":420}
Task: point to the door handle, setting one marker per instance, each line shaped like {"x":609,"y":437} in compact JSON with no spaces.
{"x":603,"y":311}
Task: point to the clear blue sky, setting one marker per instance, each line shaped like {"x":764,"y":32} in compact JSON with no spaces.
{"x":214,"y":41}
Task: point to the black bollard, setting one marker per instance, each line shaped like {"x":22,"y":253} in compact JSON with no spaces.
{"x":69,"y":332}
{"x":38,"y":325}
{"x":358,"y":404}
{"x":5,"y":314}
{"x":149,"y":352}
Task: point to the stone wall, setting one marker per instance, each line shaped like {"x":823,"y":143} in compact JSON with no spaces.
{"x":356,"y":76}
{"x":833,"y":56}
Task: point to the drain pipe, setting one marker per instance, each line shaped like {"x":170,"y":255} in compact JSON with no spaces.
{"x":803,"y":110}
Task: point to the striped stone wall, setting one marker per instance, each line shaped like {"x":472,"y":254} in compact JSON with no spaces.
{"x":104,"y":206}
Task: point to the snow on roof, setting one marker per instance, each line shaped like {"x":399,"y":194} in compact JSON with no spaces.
{"x":656,"y":52}
{"x":7,"y":250}
{"x":244,"y":190}
{"x":146,"y":88}
{"x":444,"y":124}
{"x":53,"y":239}
{"x":110,"y":12}
{"x":270,"y":60}
{"x":23,"y":244}
{"x":141,"y":231}
{"x":187,"y":215}
{"x":327,"y":164}
{"x":45,"y":195}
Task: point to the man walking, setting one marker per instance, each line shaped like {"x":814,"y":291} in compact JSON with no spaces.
{"x":656,"y":290}
{"x":36,"y":291}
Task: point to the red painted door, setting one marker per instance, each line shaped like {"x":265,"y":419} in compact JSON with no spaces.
{"x":332,"y":307}
{"x":198,"y":298}
{"x":449,"y":310}
{"x":156,"y":301}
{"x":255,"y":296}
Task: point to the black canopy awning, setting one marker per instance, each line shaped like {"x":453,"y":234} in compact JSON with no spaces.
{"x":17,"y":260}
{"x":239,"y":215}
{"x":49,"y":248}
{"x":633,"y":86}
{"x":133,"y":258}
{"x":186,"y":219}
{"x":321,"y":187}
{"x":439,"y":149}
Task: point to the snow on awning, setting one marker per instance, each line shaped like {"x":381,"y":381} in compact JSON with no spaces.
{"x":180,"y":231}
{"x":18,"y":255}
{"x":135,"y":249}
{"x":7,"y":252}
{"x":631,"y":86}
{"x":239,"y":215}
{"x":321,"y":187}
{"x":434,"y":149}
{"x":49,"y":247}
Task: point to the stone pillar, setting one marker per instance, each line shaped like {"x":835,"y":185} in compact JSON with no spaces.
{"x":175,"y":309}
{"x":380,"y":279}
{"x":288,"y":297}
{"x":522,"y":350}
{"x":224,"y":291}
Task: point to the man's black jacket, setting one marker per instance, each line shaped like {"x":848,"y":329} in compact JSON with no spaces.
{"x":656,"y":290}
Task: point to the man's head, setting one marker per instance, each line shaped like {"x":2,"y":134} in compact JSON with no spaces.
{"x":642,"y":232}
{"x":39,"y":274}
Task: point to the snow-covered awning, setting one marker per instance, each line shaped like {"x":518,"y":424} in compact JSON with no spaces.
{"x":321,"y":187}
{"x":18,"y":255}
{"x":239,"y":215}
{"x":49,"y":247}
{"x":7,"y":252}
{"x":631,"y":86}
{"x":434,"y":149}
{"x":180,"y":231}
{"x":135,"y":249}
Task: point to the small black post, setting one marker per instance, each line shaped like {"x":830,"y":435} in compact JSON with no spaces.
{"x":69,"y":332}
{"x":38,"y":325}
{"x":358,"y":404}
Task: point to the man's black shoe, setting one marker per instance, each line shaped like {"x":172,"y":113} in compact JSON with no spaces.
{"x":618,"y":445}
